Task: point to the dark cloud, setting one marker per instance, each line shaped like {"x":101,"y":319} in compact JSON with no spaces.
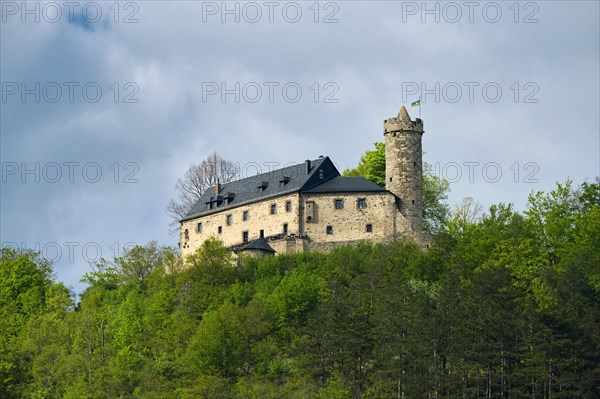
{"x":154,"y":62}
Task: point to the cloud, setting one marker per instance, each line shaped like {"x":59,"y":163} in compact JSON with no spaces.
{"x":164,"y":56}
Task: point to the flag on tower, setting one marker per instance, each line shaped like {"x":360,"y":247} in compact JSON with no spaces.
{"x":416,"y":103}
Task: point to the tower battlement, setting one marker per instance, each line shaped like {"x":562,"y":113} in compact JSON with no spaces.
{"x":402,"y":122}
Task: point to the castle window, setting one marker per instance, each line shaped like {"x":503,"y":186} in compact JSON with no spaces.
{"x":229,"y":220}
{"x":321,"y":174}
{"x":390,"y":179}
{"x":186,"y":234}
{"x":413,"y":202}
{"x":285,"y":228}
{"x":262,"y":234}
{"x":288,"y":206}
{"x":339,"y":204}
{"x":369,"y":228}
{"x":220,"y":229}
{"x":284,"y":181}
{"x":244,"y":236}
{"x":361,"y":203}
{"x":329,"y":230}
{"x":199,"y":227}
{"x":310,"y":211}
{"x":273,"y":209}
{"x":245,"y":215}
{"x":263,"y":186}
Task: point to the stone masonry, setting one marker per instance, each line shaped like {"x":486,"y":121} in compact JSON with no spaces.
{"x":325,"y":209}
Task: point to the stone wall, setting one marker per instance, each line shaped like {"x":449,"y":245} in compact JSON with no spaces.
{"x":350,"y":222}
{"x":404,"y":165}
{"x":289,"y":244}
{"x":259,"y":218}
{"x":347,"y":225}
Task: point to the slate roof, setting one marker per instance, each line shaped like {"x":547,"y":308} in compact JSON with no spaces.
{"x":344,"y":184}
{"x":323,"y":177}
{"x":247,"y":190}
{"x":259,"y":244}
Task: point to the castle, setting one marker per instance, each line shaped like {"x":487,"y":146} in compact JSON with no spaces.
{"x":310,"y":206}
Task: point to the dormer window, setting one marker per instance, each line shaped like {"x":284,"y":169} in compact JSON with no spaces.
{"x":263,"y":186}
{"x":209,"y":203}
{"x":228,"y":199}
{"x":321,"y":174}
{"x":284,"y":181}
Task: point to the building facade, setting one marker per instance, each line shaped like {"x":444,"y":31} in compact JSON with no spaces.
{"x":310,"y":206}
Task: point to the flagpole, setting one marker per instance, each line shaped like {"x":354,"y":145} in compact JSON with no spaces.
{"x":417,"y":104}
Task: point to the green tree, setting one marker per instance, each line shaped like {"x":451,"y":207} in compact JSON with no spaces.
{"x":138,"y":262}
{"x":371,"y":165}
{"x":25,"y":279}
{"x":47,"y":344}
{"x":507,"y":305}
{"x":219,"y":344}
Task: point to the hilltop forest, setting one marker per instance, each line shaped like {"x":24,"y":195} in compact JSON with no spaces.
{"x":502,"y":306}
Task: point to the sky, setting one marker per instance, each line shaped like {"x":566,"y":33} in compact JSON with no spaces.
{"x":106,"y":104}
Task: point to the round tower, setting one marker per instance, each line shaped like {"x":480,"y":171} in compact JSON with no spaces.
{"x":404,"y":165}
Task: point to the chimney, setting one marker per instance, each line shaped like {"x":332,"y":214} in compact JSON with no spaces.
{"x":307,"y":163}
{"x":218,"y":187}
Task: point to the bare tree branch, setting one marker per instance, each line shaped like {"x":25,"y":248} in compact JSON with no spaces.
{"x":198,"y":178}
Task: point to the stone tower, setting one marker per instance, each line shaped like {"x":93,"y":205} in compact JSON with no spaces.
{"x":404,"y":165}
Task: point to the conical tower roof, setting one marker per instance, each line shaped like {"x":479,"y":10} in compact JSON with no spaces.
{"x":403,"y":114}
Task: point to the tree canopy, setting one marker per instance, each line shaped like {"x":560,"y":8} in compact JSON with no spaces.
{"x":504,"y":305}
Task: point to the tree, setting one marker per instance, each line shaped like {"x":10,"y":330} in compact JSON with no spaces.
{"x":467,"y":213}
{"x":435,"y":208}
{"x":138,"y":262}
{"x":47,"y":339}
{"x":508,"y":306}
{"x":196,"y":180}
{"x":435,"y":189}
{"x":25,"y":278}
{"x":371,"y":165}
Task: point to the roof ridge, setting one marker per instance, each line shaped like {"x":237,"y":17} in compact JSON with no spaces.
{"x":321,"y":160}
{"x":263,"y":186}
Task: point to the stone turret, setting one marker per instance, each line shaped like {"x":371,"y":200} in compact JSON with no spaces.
{"x":404,"y":165}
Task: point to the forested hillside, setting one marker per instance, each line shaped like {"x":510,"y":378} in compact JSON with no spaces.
{"x":506,"y":306}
